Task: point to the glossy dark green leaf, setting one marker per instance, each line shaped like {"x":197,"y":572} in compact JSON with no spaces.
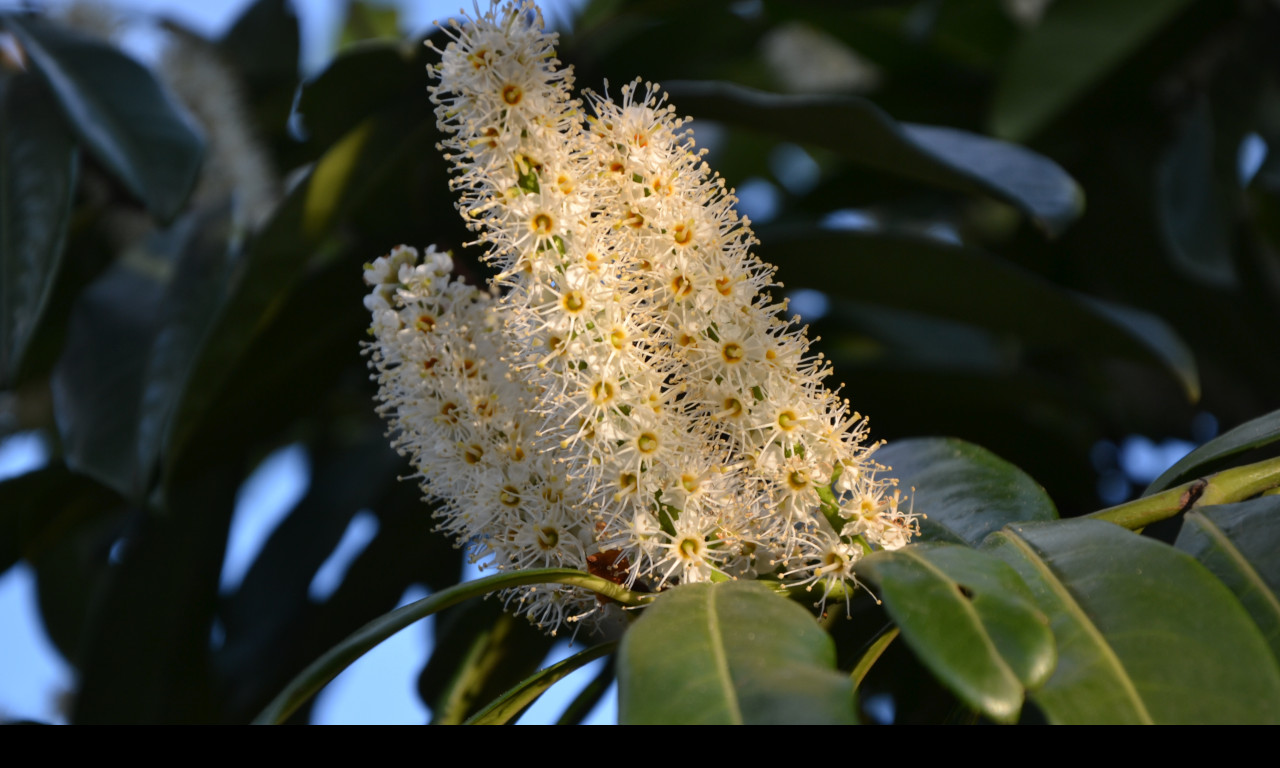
{"x":1145,"y":633}
{"x":729,"y":653}
{"x":119,"y":112}
{"x":1240,"y":544}
{"x":970,"y":619}
{"x":963,"y":490}
{"x":1075,"y":45}
{"x":1251,"y":434}
{"x":858,"y":131}
{"x":508,"y":708}
{"x":38,"y":163}
{"x":98,"y":380}
{"x":925,"y":275}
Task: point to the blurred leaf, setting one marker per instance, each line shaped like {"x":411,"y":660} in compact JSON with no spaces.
{"x":857,"y":130}
{"x":1145,"y":634}
{"x":970,"y":619}
{"x":511,"y":705}
{"x":301,"y":229}
{"x":119,"y":112}
{"x":360,"y":81}
{"x":591,"y":694}
{"x":40,"y":507}
{"x":369,"y":21}
{"x":963,"y":490}
{"x":1239,"y":543}
{"x":1075,"y":45}
{"x":133,"y":336}
{"x":38,"y":163}
{"x":263,"y":46}
{"x":968,"y":285}
{"x":98,"y":380}
{"x":338,"y":658}
{"x":1193,"y":219}
{"x":146,"y":658}
{"x":1252,"y":434}
{"x":480,"y":651}
{"x":729,"y":653}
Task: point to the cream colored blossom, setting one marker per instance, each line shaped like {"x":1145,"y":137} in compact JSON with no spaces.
{"x":628,"y":387}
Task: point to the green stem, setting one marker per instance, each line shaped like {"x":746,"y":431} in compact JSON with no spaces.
{"x":508,"y":707}
{"x":1225,"y":487}
{"x":872,"y":655}
{"x":338,"y":658}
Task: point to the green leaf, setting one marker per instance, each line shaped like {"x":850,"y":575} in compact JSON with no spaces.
{"x":729,"y":653}
{"x":1145,"y":634}
{"x":1075,"y":45}
{"x":1193,"y":214}
{"x":98,"y":380}
{"x":119,"y":112}
{"x":338,"y":658}
{"x":40,"y":507}
{"x":923,"y":275}
{"x":964,"y":491}
{"x":859,"y":131}
{"x":1239,"y":543}
{"x":480,"y":653}
{"x":276,"y":261}
{"x":970,"y":619}
{"x":1261,"y":431}
{"x":509,"y":707}
{"x":38,"y":163}
{"x":360,"y":81}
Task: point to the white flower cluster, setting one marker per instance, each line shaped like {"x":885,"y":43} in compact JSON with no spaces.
{"x":627,"y":398}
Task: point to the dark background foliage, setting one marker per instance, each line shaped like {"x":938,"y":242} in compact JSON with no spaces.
{"x":1103,"y":270}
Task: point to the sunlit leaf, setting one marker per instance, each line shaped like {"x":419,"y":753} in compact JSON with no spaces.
{"x":1145,"y":634}
{"x":963,"y":490}
{"x":970,"y":619}
{"x":729,"y":653}
{"x":1240,"y":544}
{"x":1251,"y":434}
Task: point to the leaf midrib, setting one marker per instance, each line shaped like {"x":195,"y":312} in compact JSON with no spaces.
{"x":1073,"y":608}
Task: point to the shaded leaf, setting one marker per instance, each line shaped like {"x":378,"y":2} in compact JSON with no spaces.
{"x":38,"y":163}
{"x":119,"y":112}
{"x":1239,"y":543}
{"x":276,"y":260}
{"x":963,"y":490}
{"x":38,"y":508}
{"x":1075,"y":45}
{"x":359,"y":81}
{"x":98,"y":380}
{"x":970,"y":619}
{"x":1145,"y":634}
{"x":859,"y":131}
{"x":146,"y":658}
{"x":480,"y":652}
{"x":1251,"y":434}
{"x":924,"y":275}
{"x":1193,"y":215}
{"x":514,"y":702}
{"x":729,"y":653}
